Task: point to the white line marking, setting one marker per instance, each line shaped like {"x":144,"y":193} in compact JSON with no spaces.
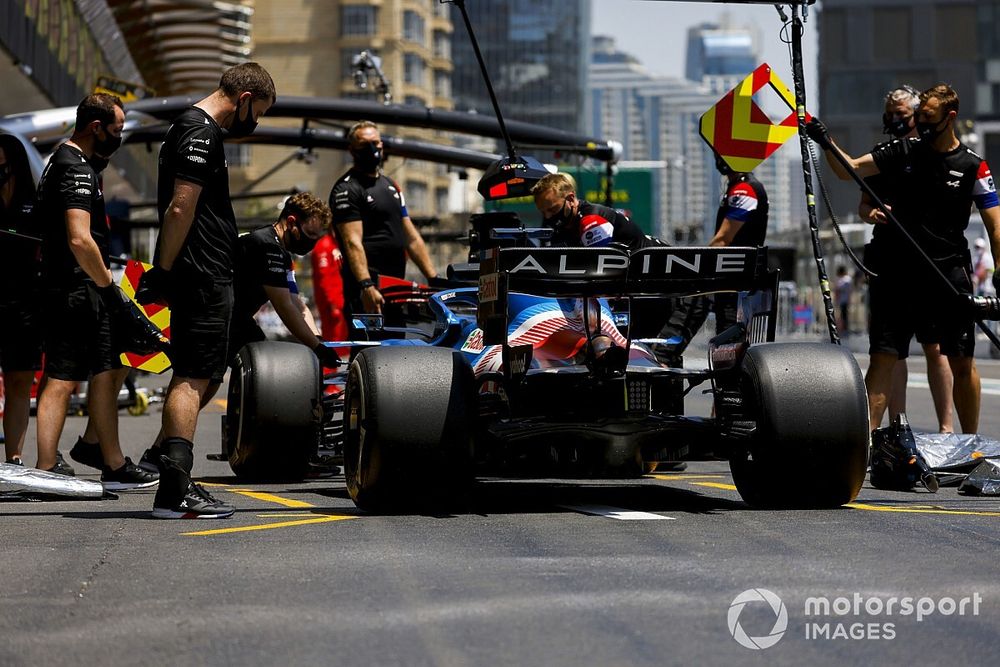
{"x":617,"y":513}
{"x":990,"y":386}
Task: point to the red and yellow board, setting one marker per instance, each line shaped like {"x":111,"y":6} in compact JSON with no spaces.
{"x":157,"y":314}
{"x":740,"y":131}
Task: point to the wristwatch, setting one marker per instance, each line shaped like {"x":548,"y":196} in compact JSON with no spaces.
{"x":366,"y":283}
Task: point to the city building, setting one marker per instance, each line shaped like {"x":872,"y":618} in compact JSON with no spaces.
{"x":537,"y":53}
{"x":868,"y":47}
{"x":656,"y":119}
{"x":311,"y":49}
{"x":720,"y":50}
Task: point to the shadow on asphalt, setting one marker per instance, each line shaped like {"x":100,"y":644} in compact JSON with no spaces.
{"x":495,"y":497}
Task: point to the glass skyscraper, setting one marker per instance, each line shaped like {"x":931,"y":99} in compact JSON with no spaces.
{"x":536,"y":51}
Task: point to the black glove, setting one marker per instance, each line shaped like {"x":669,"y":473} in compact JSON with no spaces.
{"x":131,"y":330}
{"x":153,"y":287}
{"x":328,"y":357}
{"x":817,"y":132}
{"x":996,"y":282}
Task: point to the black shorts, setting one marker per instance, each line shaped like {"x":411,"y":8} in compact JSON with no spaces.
{"x":900,"y":310}
{"x":21,"y":334}
{"x":77,"y":333}
{"x":199,"y":329}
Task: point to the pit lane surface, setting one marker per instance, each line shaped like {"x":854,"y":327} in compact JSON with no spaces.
{"x":527,"y":572}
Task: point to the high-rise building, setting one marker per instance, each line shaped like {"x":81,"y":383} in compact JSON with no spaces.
{"x":536,"y":51}
{"x":656,"y":118}
{"x":868,"y":47}
{"x":719,"y":50}
{"x":309,"y":49}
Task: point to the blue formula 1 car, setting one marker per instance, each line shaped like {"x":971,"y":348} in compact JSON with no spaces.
{"x":531,"y":371}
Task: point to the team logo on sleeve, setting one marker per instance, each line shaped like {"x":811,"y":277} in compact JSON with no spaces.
{"x":741,"y":201}
{"x":984,"y":190}
{"x":596,"y":231}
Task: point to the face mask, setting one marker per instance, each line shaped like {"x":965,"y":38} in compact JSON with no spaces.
{"x":897,"y":127}
{"x":367,"y":158}
{"x":98,"y":162}
{"x":303,"y":245}
{"x":243,"y":127}
{"x":930,"y":131}
{"x":559,"y":220}
{"x":108,"y":145}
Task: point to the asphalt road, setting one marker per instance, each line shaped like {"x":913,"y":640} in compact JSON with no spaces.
{"x":526,"y":572}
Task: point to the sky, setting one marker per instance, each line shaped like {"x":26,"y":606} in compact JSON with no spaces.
{"x":656,"y":33}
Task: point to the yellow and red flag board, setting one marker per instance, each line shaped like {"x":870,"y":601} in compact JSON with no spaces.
{"x":740,"y":131}
{"x":157,"y":314}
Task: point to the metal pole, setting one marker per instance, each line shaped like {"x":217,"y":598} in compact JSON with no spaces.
{"x":486,"y":77}
{"x":798,"y":78}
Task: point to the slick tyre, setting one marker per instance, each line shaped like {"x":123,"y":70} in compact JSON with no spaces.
{"x":810,"y":445}
{"x":274,"y":411}
{"x":408,"y":423}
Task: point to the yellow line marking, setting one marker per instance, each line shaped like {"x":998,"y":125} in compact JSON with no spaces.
{"x":271,"y":498}
{"x":914,"y":510}
{"x":669,"y":477}
{"x":212,"y":484}
{"x":716,"y":485}
{"x":269,"y":526}
{"x":292,"y":515}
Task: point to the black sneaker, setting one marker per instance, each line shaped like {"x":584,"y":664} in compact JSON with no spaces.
{"x":87,"y":453}
{"x":150,"y":459}
{"x":61,"y":467}
{"x":196,"y":504}
{"x":16,"y":461}
{"x":322,"y":467}
{"x":129,"y":476}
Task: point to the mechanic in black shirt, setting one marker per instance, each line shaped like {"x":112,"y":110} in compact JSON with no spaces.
{"x":81,"y":303}
{"x":935,"y":180}
{"x":374,"y":229}
{"x":899,"y":121}
{"x":193,"y":271}
{"x":264,"y":273}
{"x":580,"y":224}
{"x":20,"y":328}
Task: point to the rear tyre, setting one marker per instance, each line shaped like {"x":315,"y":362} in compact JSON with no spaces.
{"x":409,"y":415}
{"x":273,"y":411}
{"x":810,"y":446}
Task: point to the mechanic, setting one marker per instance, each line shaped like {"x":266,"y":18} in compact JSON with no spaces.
{"x":264,"y":273}
{"x":898,"y":121}
{"x":83,"y":307}
{"x":193,"y":272}
{"x":328,"y":287}
{"x":374,"y":229}
{"x":740,"y":221}
{"x":87,"y":449}
{"x":935,"y":179}
{"x":20,"y":328}
{"x":578,"y":223}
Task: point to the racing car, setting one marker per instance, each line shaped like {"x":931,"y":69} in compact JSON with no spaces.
{"x":527,"y":368}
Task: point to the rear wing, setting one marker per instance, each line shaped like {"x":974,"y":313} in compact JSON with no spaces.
{"x":611,"y":272}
